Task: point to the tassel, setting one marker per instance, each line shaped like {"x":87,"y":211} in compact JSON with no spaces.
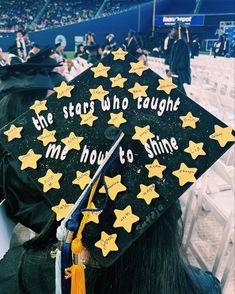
{"x":58,"y":272}
{"x":179,"y":32}
{"x":78,"y":285}
{"x":187,"y":35}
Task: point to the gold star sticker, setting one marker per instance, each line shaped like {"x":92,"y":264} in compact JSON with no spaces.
{"x":147,"y":193}
{"x":125,"y":218}
{"x":39,"y":106}
{"x":47,"y":137}
{"x":118,"y":81}
{"x":72,"y":141}
{"x":138,"y":67}
{"x":29,"y":159}
{"x":119,"y":54}
{"x":13,"y":133}
{"x":143,"y":134}
{"x":114,"y":186}
{"x":62,"y":209}
{"x":50,"y":180}
{"x":195,"y":149}
{"x":88,"y":119}
{"x":98,"y":93}
{"x":155,"y":169}
{"x":116,"y":119}
{"x":185,"y":174}
{"x":107,"y":243}
{"x":222,"y":135}
{"x":82,"y":179}
{"x":138,"y":91}
{"x":166,"y":85}
{"x":189,"y":120}
{"x":63,"y":90}
{"x":100,"y":70}
{"x":93,"y":216}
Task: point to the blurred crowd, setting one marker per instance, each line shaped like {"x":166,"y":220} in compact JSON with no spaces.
{"x":176,"y":49}
{"x":56,"y":13}
{"x":14,"y":15}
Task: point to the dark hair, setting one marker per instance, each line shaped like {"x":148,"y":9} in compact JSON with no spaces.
{"x":153,"y":264}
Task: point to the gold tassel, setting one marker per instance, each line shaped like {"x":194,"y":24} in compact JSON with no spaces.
{"x":78,"y":285}
{"x":77,"y":270}
{"x":187,"y":35}
{"x":179,"y":32}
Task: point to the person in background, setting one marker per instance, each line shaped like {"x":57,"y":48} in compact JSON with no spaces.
{"x":11,"y":56}
{"x":60,"y":55}
{"x":233,"y":48}
{"x":109,"y":41}
{"x":168,"y":43}
{"x":92,"y":54}
{"x":157,"y":52}
{"x":70,"y":71}
{"x":131,"y":44}
{"x":20,"y":44}
{"x":26,"y":43}
{"x":106,"y":51}
{"x":2,"y":58}
{"x":35,"y":49}
{"x":90,"y":39}
{"x":225,"y":48}
{"x":195,"y":46}
{"x":180,"y":60}
{"x":81,"y":52}
{"x":218,"y":47}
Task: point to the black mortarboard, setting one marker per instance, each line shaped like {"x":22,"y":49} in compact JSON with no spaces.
{"x":57,"y":45}
{"x":169,"y":142}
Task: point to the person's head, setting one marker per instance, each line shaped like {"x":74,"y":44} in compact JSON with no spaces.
{"x":19,"y":34}
{"x":174,"y":32}
{"x":59,"y":47}
{"x":224,"y":36}
{"x":131,"y":34}
{"x":69,"y":63}
{"x":81,"y":48}
{"x":35,"y":48}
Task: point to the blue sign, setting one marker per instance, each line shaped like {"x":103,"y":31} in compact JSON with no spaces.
{"x":195,"y":20}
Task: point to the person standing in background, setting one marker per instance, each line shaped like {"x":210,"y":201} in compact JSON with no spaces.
{"x":131,"y":44}
{"x":225,"y":48}
{"x":179,"y":60}
{"x":168,"y":43}
{"x":195,"y":46}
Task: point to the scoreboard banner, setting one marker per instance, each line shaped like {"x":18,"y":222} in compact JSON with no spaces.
{"x":196,"y":20}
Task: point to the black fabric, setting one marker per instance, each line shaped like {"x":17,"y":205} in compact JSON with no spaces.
{"x":180,"y":61}
{"x":25,"y":202}
{"x":132,"y":46}
{"x":168,"y":50}
{"x":195,"y":47}
{"x":14,"y":104}
{"x":33,"y":271}
{"x":100,"y":138}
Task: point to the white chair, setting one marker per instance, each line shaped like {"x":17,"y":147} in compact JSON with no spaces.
{"x":222,"y":210}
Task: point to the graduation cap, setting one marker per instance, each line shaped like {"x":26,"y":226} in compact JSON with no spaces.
{"x":122,"y":143}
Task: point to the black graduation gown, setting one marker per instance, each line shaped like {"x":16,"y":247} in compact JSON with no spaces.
{"x":26,"y":203}
{"x":180,"y":61}
{"x":132,"y":46}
